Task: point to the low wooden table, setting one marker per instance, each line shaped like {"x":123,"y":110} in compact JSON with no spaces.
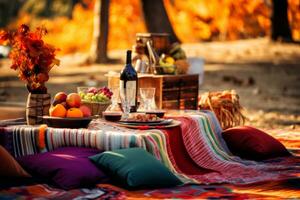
{"x":172,"y":91}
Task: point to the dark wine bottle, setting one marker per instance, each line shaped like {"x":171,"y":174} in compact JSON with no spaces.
{"x":129,"y":83}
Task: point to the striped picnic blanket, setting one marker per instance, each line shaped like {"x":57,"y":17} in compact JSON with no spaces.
{"x":195,"y":151}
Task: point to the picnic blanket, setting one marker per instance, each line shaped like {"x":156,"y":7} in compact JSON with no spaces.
{"x":274,"y":190}
{"x":195,"y":151}
{"x":43,"y":192}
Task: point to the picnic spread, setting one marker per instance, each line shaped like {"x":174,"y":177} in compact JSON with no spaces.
{"x":124,"y":141}
{"x":194,"y":151}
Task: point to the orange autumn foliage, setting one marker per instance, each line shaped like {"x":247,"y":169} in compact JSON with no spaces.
{"x":68,"y":35}
{"x":294,"y":17}
{"x":193,"y":21}
{"x":219,"y":19}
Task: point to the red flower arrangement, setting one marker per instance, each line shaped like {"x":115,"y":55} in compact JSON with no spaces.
{"x":31,"y":56}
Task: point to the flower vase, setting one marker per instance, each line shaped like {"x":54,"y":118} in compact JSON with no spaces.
{"x":37,"y":106}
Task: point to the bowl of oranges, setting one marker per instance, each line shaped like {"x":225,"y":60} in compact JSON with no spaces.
{"x":67,"y":111}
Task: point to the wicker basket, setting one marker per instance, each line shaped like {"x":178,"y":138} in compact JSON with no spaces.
{"x":96,"y":107}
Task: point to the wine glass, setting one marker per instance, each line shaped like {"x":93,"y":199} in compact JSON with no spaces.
{"x":147,"y":97}
{"x":124,"y":97}
{"x":115,"y":99}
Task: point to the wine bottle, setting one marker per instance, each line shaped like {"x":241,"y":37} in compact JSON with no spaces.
{"x":129,"y":83}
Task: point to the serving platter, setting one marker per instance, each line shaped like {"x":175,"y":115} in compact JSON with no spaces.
{"x":167,"y":123}
{"x":142,"y":122}
{"x":59,"y":122}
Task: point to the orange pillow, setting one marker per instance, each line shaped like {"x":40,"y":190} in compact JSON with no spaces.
{"x":9,"y":167}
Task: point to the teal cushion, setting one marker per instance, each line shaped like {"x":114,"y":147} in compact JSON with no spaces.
{"x":135,"y":167}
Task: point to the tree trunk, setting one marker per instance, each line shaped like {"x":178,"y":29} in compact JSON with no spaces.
{"x":8,"y":10}
{"x":98,"y":51}
{"x":47,"y":7}
{"x":280,"y":23}
{"x":156,"y":18}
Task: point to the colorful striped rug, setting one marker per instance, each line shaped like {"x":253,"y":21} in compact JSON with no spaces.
{"x":203,"y":157}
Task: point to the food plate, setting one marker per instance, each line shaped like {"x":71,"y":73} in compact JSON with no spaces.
{"x":59,"y":122}
{"x":141,"y":122}
{"x":168,"y":123}
{"x":150,"y":123}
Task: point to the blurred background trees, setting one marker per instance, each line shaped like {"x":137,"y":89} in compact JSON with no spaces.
{"x":71,"y":23}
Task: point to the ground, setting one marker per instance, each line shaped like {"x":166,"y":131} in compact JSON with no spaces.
{"x":266,"y":76}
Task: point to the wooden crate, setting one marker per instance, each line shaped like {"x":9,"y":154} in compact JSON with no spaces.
{"x":172,"y":91}
{"x":180,"y":91}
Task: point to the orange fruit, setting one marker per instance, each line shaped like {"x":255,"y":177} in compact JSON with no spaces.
{"x":73,"y":100}
{"x":74,"y":112}
{"x":57,"y":111}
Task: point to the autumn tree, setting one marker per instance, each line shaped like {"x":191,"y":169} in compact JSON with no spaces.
{"x":280,"y":23}
{"x":156,"y":18}
{"x":98,"y":50}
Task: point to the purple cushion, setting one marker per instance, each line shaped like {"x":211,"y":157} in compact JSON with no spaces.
{"x":67,"y":167}
{"x":253,"y":144}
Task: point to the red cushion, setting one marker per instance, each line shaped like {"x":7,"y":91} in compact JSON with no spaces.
{"x":253,"y":144}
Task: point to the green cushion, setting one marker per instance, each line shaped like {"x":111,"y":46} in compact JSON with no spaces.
{"x":135,"y":167}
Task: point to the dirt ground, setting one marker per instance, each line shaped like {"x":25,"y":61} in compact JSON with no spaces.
{"x":266,"y":76}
